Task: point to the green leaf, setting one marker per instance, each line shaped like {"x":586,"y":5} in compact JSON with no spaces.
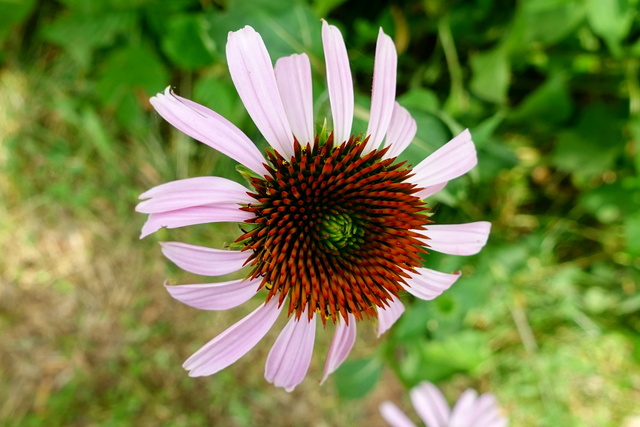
{"x":551,"y":102}
{"x":134,"y":68}
{"x":491,"y":75}
{"x":355,"y":378}
{"x":634,"y":127}
{"x":12,"y":12}
{"x":632,"y":234}
{"x":421,"y":99}
{"x":549,"y":21}
{"x":286,"y":27}
{"x":219,"y":92}
{"x":432,"y":134}
{"x":462,"y":352}
{"x":323,"y":7}
{"x":613,"y":202}
{"x":187,"y":42}
{"x":81,"y":34}
{"x":103,"y":5}
{"x":593,"y":145}
{"x":611,"y":20}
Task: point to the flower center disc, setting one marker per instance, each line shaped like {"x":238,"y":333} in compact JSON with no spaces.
{"x":334,"y":230}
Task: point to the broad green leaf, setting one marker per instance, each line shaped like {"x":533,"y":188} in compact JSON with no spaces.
{"x":592,"y":146}
{"x":420,"y":99}
{"x":612,"y":202}
{"x":135,"y":68}
{"x":356,"y":378}
{"x":551,"y":102}
{"x":491,"y":75}
{"x":12,"y":12}
{"x":543,"y":21}
{"x":632,"y":234}
{"x":286,"y":26}
{"x":99,"y":6}
{"x":413,"y":323}
{"x":432,"y":134}
{"x":219,"y":94}
{"x":81,"y":34}
{"x":187,"y":42}
{"x":634,"y":127}
{"x":611,"y":20}
{"x":323,"y":7}
{"x":485,"y":130}
{"x":462,"y":352}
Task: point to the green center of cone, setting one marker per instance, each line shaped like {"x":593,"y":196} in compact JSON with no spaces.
{"x":339,"y":231}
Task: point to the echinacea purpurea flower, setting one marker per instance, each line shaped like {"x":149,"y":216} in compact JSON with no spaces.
{"x":333,"y":226}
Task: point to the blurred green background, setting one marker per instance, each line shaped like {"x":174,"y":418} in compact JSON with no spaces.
{"x":547,"y":316}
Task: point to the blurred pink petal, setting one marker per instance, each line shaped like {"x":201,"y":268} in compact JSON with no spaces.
{"x":427,"y":284}
{"x":235,"y":342}
{"x":457,"y":239}
{"x":394,"y":416}
{"x":383,"y":93}
{"x":430,"y":405}
{"x":462,"y":413}
{"x":215,"y":296}
{"x":342,"y":343}
{"x":387,"y":316}
{"x":290,"y":356}
{"x":450,"y":161}
{"x":209,"y":128}
{"x":254,"y":79}
{"x":293,"y":75}
{"x":339,"y":81}
{"x":204,"y":261}
{"x":402,"y":130}
{"x":486,"y":412}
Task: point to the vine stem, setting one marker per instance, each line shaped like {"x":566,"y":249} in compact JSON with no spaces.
{"x":458,"y":95}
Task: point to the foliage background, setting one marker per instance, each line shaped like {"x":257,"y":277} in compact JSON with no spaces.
{"x":546,"y":317}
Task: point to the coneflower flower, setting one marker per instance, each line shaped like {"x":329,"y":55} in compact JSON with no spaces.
{"x":471,"y":410}
{"x":334,"y":227}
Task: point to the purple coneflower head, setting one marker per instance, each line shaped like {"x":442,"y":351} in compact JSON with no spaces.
{"x":471,"y":410}
{"x":333,"y":226}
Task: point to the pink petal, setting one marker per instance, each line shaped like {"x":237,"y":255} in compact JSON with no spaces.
{"x":427,"y":284}
{"x":450,"y":161}
{"x":402,"y":130}
{"x":293,"y":74}
{"x":209,"y":128}
{"x":341,"y":344}
{"x":462,"y":412}
{"x":186,"y":193}
{"x":430,"y":405}
{"x":254,"y":79}
{"x":487,"y":413}
{"x":431,"y":190}
{"x":225,"y":212}
{"x":500,"y":422}
{"x":216,"y":296}
{"x":394,"y":416}
{"x":387,"y":316}
{"x":457,"y":239}
{"x":235,"y":342}
{"x":205,"y":261}
{"x":290,"y":356}
{"x":383,"y":94}
{"x":339,"y":82}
